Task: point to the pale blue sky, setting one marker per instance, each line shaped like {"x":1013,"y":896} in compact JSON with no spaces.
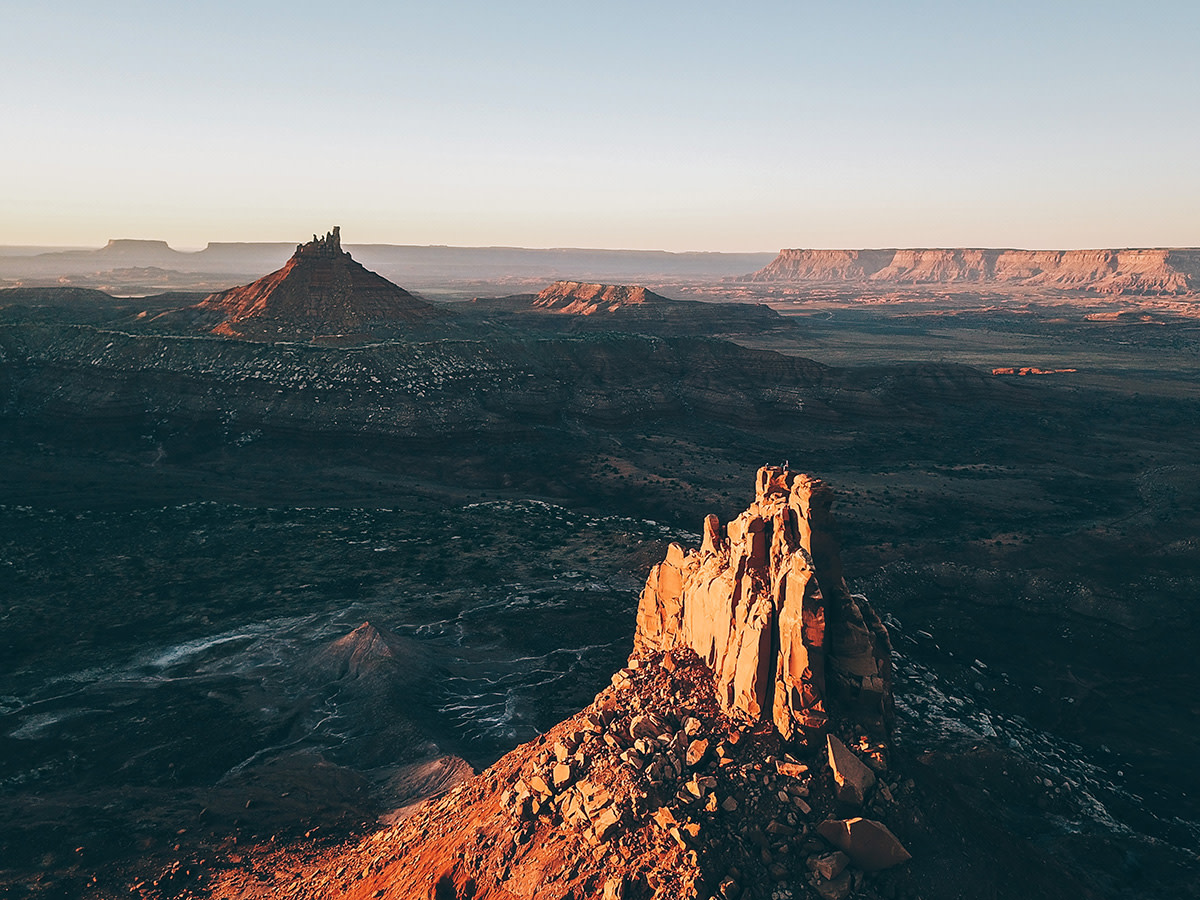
{"x":651,"y":125}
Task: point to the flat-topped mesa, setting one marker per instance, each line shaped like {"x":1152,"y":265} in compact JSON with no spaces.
{"x":766,"y":607}
{"x":1148,"y":271}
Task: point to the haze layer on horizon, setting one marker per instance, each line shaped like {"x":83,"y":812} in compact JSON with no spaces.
{"x":626,"y":125}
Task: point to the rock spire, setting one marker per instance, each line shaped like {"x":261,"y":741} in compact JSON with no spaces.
{"x":763,"y":602}
{"x":330,"y":245}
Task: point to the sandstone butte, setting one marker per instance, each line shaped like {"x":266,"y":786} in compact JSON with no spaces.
{"x":583,"y":299}
{"x":320,"y":291}
{"x":1133,"y":271}
{"x":708,"y":768}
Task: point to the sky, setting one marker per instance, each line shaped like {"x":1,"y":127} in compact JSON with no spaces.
{"x":655,"y":125}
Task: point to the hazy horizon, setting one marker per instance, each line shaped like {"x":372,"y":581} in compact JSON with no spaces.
{"x":73,"y":248}
{"x":675,"y":127}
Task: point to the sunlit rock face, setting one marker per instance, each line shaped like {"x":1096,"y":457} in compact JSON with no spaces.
{"x":1132,"y":271}
{"x":763,"y":602}
{"x":580,"y":298}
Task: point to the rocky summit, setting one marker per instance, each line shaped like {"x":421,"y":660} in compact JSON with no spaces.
{"x":718,"y":774}
{"x":320,"y":293}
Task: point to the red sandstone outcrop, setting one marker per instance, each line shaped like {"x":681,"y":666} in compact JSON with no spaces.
{"x":652,"y":791}
{"x":1030,"y":370}
{"x":685,"y":777}
{"x":764,"y":604}
{"x":1133,"y":271}
{"x":581,"y":299}
{"x":320,"y":291}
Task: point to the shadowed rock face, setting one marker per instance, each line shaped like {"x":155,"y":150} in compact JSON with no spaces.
{"x":320,"y":291}
{"x":766,"y":606}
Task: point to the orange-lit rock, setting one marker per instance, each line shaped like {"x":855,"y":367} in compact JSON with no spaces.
{"x":767,"y":608}
{"x":852,"y":777}
{"x":1134,"y":271}
{"x":583,"y":299}
{"x":1030,"y":370}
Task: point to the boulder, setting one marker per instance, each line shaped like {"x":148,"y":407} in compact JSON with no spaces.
{"x":829,"y":865}
{"x":869,"y":844}
{"x":852,"y":777}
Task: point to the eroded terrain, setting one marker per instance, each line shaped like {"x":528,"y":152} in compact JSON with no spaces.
{"x":187,"y":521}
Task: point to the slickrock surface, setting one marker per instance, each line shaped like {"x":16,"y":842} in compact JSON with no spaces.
{"x":320,"y":291}
{"x":764,"y":603}
{"x":578,"y":298}
{"x":1133,"y":271}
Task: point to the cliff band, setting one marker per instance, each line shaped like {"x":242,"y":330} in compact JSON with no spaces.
{"x":1133,"y":271}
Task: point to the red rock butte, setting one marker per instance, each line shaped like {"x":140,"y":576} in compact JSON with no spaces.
{"x":321,"y":291}
{"x":583,"y":299}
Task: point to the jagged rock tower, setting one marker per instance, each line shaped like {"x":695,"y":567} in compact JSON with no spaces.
{"x":320,"y":291}
{"x":765,"y":605}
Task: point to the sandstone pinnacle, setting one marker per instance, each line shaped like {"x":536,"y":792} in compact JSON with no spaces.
{"x":765,"y":605}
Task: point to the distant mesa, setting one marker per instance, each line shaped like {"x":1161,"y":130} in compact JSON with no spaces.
{"x":131,"y":247}
{"x":1030,"y":370}
{"x":581,"y":306}
{"x":1133,"y":271}
{"x":583,"y":299}
{"x":320,"y":292}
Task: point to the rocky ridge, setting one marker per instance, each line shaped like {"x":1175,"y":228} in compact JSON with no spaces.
{"x":1127,"y":271}
{"x":582,"y":307}
{"x":577,"y":298}
{"x":321,"y":291}
{"x":663,"y":787}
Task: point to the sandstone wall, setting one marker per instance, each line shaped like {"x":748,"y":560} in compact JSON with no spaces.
{"x":1136,"y":271}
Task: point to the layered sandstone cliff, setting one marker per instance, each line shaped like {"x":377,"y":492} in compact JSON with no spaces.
{"x":1133,"y":271}
{"x":764,"y":604}
{"x":320,"y":291}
